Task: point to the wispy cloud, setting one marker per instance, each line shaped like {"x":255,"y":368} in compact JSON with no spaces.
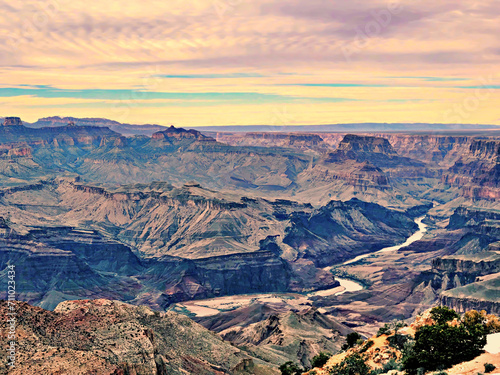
{"x":253,"y":55}
{"x":211,"y":76}
{"x":141,"y":95}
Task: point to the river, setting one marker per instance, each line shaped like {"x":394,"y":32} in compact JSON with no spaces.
{"x":422,"y":228}
{"x":353,"y":286}
{"x":213,"y":306}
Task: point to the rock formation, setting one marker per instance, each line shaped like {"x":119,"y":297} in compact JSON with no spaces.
{"x":111,"y":337}
{"x":12,"y":121}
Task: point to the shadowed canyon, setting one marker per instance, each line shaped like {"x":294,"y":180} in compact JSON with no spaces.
{"x":243,"y":241}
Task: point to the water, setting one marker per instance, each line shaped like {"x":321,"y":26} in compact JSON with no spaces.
{"x":422,"y":228}
{"x":349,"y":285}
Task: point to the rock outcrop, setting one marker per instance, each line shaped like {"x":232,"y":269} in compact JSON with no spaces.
{"x":173,"y":134}
{"x":481,"y":295}
{"x":377,"y":151}
{"x":12,"y":121}
{"x":110,"y":337}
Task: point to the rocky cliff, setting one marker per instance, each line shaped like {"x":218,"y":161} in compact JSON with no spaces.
{"x":12,"y":121}
{"x":438,"y":150}
{"x":187,"y":242}
{"x":477,"y":171}
{"x":173,"y":135}
{"x":110,"y":337}
{"x":481,"y":295}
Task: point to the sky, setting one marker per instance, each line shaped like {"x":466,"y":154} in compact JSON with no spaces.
{"x":246,"y":62}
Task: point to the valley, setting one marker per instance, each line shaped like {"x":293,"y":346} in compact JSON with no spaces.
{"x":280,"y":243}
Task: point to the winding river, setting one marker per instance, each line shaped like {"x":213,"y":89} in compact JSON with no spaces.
{"x":422,"y":228}
{"x":353,"y":286}
{"x":213,"y":306}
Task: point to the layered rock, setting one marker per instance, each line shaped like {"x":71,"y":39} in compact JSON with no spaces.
{"x":198,"y":243}
{"x":481,"y":295}
{"x":12,"y":121}
{"x":439,"y":150}
{"x":281,"y":336}
{"x":377,"y":151}
{"x":174,"y":134}
{"x":342,"y":230}
{"x":477,"y":172}
{"x":300,"y":141}
{"x":110,"y":337}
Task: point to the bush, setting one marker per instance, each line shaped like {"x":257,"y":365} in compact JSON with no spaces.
{"x":488,"y":367}
{"x":290,"y":368}
{"x":397,"y":341}
{"x":367,"y":345}
{"x":385,"y":330}
{"x":351,"y":365}
{"x":352,"y":339}
{"x":443,"y":314}
{"x":442,"y":345}
{"x":391,"y":365}
{"x":320,"y":359}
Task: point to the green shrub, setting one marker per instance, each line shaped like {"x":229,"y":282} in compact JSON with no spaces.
{"x":352,"y":339}
{"x":391,"y":365}
{"x":397,"y":341}
{"x":290,"y":368}
{"x":320,"y":359}
{"x":442,"y":345}
{"x":351,"y":365}
{"x":367,"y":345}
{"x":443,"y":314}
{"x":488,"y":367}
{"x":385,"y":330}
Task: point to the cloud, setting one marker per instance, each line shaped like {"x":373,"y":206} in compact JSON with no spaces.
{"x":252,"y":53}
{"x":142,"y":95}
{"x":211,"y":76}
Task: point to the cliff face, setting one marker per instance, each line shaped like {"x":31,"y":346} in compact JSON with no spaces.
{"x":15,"y":132}
{"x":472,"y":267}
{"x":438,"y":150}
{"x":364,"y":167}
{"x":180,"y":280}
{"x":299,"y":141}
{"x":54,"y":264}
{"x":467,"y":278}
{"x":481,"y":295}
{"x":12,"y":121}
{"x":477,"y":171}
{"x":110,"y":337}
{"x":173,"y":135}
{"x":340,"y":230}
{"x":470,"y":217}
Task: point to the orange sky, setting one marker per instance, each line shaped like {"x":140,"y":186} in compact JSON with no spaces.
{"x":220,"y":62}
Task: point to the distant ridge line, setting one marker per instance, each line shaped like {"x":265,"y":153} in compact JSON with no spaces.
{"x":354,"y":127}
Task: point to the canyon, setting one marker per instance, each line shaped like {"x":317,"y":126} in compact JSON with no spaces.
{"x":179,"y":220}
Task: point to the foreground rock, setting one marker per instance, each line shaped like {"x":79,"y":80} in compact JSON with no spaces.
{"x":110,"y":337}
